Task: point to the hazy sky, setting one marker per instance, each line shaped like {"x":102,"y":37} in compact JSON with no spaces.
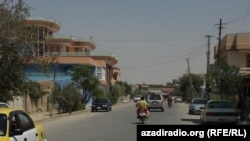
{"x":152,"y":38}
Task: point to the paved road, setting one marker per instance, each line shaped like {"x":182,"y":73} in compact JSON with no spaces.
{"x":119,"y":124}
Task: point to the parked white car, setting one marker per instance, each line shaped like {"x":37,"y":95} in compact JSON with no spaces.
{"x":178,"y":99}
{"x":219,"y":112}
{"x":137,"y":98}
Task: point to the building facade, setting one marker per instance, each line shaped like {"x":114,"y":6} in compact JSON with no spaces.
{"x":67,"y":52}
{"x":235,"y":50}
{"x":62,"y":53}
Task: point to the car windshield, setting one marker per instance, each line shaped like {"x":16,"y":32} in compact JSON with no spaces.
{"x":155,"y":97}
{"x":3,"y":125}
{"x":220,"y":104}
{"x":101,"y":100}
{"x":199,"y":101}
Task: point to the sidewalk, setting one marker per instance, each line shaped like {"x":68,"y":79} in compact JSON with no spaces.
{"x":43,"y":116}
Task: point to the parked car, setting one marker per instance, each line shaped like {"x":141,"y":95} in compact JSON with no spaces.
{"x":137,"y":98}
{"x":4,"y":105}
{"x":178,"y":99}
{"x":196,"y":104}
{"x":101,"y":103}
{"x":219,"y":111}
{"x":155,"y":101}
{"x":18,"y":125}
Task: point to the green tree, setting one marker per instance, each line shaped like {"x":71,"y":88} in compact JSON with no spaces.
{"x":84,"y":77}
{"x":188,"y":90}
{"x":33,"y":89}
{"x":115,"y":93}
{"x":15,"y":51}
{"x":98,"y":92}
{"x":227,"y":81}
{"x":68,"y":99}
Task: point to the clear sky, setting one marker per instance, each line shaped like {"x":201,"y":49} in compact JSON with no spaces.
{"x":153,"y":39}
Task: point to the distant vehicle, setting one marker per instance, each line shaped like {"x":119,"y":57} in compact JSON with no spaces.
{"x":178,"y":99}
{"x":137,"y":98}
{"x":155,"y":101}
{"x":196,"y":104}
{"x":101,"y":103}
{"x":219,"y":111}
{"x":17,"y":125}
{"x":4,"y":105}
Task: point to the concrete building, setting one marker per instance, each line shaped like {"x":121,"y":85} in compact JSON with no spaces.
{"x":62,"y":53}
{"x":235,"y":50}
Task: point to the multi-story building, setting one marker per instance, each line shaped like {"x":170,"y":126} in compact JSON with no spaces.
{"x":235,"y":50}
{"x":67,"y":51}
{"x":63,"y":53}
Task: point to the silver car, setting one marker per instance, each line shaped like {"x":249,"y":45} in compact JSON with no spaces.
{"x":155,"y":101}
{"x":196,"y":104}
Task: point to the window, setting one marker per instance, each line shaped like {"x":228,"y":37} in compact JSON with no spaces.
{"x":26,"y":121}
{"x":55,"y":49}
{"x":41,"y":33}
{"x":20,"y":120}
{"x":3,"y":125}
{"x":155,"y":97}
{"x":77,"y":49}
{"x":248,"y":60}
{"x":99,"y":72}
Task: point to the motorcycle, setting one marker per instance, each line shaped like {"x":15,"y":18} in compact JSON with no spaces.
{"x":170,"y":101}
{"x":142,"y":116}
{"x":169,"y":104}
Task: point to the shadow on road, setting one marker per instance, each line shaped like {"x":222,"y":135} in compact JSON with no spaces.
{"x":156,"y":110}
{"x":138,"y":123}
{"x":196,"y":121}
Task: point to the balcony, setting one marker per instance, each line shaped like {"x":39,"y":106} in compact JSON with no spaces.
{"x":244,"y":71}
{"x":90,"y":54}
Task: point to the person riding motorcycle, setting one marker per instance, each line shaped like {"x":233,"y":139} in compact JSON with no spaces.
{"x":142,"y":105}
{"x":170,"y":100}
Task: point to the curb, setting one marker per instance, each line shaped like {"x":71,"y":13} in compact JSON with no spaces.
{"x":47,"y":117}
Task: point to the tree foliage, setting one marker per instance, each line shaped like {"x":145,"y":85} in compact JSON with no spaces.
{"x":83,"y":76}
{"x":15,"y":51}
{"x":67,"y":99}
{"x":34,"y":90}
{"x":227,"y":81}
{"x":127,"y":88}
{"x":188,"y":90}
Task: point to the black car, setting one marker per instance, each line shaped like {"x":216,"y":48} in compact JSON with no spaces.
{"x":102,"y":103}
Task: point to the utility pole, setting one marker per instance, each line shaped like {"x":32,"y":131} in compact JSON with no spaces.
{"x":208,"y":52}
{"x":219,"y":44}
{"x":190,"y":80}
{"x":219,"y":51}
{"x":207,"y":85}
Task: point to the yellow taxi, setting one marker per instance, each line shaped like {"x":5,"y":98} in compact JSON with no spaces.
{"x":17,"y":125}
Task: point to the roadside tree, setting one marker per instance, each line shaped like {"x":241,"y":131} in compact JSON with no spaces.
{"x":16,"y":51}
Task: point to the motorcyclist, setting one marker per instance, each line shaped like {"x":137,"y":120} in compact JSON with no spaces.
{"x":142,"y":105}
{"x":170,"y":100}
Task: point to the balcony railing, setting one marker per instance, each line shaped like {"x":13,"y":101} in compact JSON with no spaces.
{"x":81,"y":54}
{"x":244,"y":71}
